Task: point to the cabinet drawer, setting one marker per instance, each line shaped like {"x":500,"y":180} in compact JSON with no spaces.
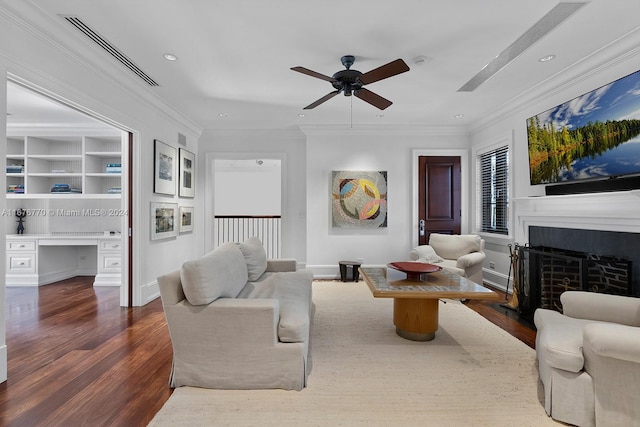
{"x":21,"y":263}
{"x":109,"y":245}
{"x":110,"y":263}
{"x":26,"y":245}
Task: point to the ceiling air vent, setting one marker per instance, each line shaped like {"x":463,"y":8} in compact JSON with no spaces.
{"x":552,"y":19}
{"x":109,"y":48}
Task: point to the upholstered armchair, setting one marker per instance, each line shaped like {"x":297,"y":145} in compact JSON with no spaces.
{"x":589,"y":359}
{"x":462,"y":254}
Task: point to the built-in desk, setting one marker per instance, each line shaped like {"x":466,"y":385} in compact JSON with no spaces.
{"x":39,"y":259}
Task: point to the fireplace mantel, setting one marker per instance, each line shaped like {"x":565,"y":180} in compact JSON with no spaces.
{"x":614,"y":211}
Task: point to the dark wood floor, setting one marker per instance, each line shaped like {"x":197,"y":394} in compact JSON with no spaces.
{"x":76,"y":358}
{"x":505,"y":318}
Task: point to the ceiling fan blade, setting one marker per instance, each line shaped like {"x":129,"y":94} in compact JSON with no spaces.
{"x":311,"y":73}
{"x":372,"y":98}
{"x":388,"y":70}
{"x":321,"y":100}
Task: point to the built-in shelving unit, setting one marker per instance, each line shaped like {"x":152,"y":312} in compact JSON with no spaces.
{"x":80,"y":166}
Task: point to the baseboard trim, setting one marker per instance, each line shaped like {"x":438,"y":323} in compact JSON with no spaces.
{"x":56,"y":276}
{"x":150,"y":291}
{"x":3,"y":363}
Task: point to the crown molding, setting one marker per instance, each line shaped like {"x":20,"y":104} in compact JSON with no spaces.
{"x":50,"y":33}
{"x":378,"y":130}
{"x":625,"y":49}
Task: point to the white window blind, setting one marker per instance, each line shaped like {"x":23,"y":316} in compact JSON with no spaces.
{"x":493,"y":191}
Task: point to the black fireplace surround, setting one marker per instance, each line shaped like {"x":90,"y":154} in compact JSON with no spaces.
{"x":559,"y":259}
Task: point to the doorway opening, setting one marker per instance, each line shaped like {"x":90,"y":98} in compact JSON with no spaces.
{"x":248,"y":201}
{"x":67,"y":175}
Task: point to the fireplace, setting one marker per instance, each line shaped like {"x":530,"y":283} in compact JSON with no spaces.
{"x":602,"y":224}
{"x":547,"y":272}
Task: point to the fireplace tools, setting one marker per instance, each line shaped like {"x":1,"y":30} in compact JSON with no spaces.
{"x":513,"y":267}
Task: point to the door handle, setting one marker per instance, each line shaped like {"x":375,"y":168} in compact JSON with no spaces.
{"x":422,"y":227}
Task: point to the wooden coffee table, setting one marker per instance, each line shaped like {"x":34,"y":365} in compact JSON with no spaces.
{"x":415,"y":302}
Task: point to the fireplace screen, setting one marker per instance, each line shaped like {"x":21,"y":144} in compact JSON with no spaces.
{"x":545,"y":273}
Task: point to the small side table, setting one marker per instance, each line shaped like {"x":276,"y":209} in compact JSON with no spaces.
{"x":354,"y":265}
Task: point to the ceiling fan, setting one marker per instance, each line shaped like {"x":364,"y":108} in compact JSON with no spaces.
{"x":351,"y":81}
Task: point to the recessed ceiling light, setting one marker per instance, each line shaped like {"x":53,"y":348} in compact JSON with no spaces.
{"x":546,"y":58}
{"x":170,"y":57}
{"x":421,"y":60}
{"x":222,"y":115}
{"x":301,"y":115}
{"x":459,"y":116}
{"x":379,"y":115}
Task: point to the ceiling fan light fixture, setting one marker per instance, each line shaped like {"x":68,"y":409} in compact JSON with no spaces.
{"x":170,"y":57}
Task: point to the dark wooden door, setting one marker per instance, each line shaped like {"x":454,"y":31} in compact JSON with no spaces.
{"x":438,"y":196}
{"x":129,"y":232}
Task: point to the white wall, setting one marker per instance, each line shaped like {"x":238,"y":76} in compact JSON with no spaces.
{"x":615,"y":62}
{"x":246,"y":188}
{"x":376,"y":149}
{"x":3,"y":205}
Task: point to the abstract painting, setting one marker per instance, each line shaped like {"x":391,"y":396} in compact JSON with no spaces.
{"x":359,"y":199}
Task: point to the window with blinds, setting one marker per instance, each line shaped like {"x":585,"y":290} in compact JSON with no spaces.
{"x":493,"y":191}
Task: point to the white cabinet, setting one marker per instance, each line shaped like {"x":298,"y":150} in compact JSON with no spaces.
{"x":40,"y":259}
{"x":22,"y":261}
{"x":64,"y":166}
{"x":109,"y":263}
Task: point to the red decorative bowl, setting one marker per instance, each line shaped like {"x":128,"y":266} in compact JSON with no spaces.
{"x":414,"y":269}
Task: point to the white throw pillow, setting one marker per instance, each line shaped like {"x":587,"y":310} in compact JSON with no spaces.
{"x":255,"y":257}
{"x":424,"y":253}
{"x":220,"y":273}
{"x":453,"y":246}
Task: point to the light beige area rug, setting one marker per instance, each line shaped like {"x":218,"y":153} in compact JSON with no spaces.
{"x":472,"y":374}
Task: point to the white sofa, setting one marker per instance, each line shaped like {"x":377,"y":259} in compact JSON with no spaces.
{"x":589,"y":359}
{"x":238,"y":320}
{"x":462,"y":254}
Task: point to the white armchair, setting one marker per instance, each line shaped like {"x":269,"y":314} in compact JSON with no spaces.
{"x":589,"y":359}
{"x":462,"y":254}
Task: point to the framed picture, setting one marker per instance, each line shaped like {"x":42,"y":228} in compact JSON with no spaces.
{"x":165,"y":168}
{"x":359,"y":199}
{"x":164,"y":220}
{"x":186,"y":218}
{"x":187,"y":173}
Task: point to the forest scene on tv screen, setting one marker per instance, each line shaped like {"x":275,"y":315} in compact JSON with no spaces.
{"x":595,"y":135}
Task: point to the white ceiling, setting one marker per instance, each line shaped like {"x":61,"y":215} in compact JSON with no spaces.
{"x":234,"y":57}
{"x":26,"y":108}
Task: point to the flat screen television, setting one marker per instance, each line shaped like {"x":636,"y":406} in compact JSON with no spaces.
{"x":595,"y":136}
